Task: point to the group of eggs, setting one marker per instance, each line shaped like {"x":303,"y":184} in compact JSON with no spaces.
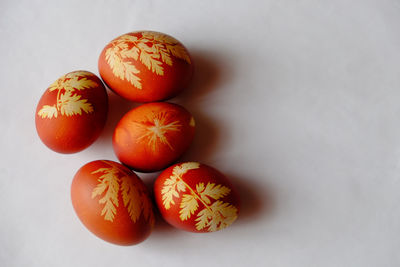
{"x":110,"y":199}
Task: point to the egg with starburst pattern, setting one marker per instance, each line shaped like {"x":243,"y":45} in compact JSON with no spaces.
{"x":153,"y":136}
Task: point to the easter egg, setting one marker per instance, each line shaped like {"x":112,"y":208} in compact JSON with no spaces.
{"x":145,"y":66}
{"x":72,"y":112}
{"x":196,"y":198}
{"x":152,"y":136}
{"x":112,"y":202}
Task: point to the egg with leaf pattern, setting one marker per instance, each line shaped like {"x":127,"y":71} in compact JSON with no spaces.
{"x":145,"y":66}
{"x":112,"y":202}
{"x":196,"y":198}
{"x":72,"y":112}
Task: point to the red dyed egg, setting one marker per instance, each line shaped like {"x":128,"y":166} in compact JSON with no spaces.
{"x":112,"y":202}
{"x":152,"y":136}
{"x":72,"y":112}
{"x":145,"y":66}
{"x":196,"y":198}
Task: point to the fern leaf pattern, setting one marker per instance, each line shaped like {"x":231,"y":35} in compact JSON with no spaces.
{"x":188,"y":206}
{"x":174,"y":184}
{"x":152,"y":49}
{"x":48,"y":112}
{"x":77,"y":83}
{"x":69,"y":103}
{"x":211,"y":190}
{"x":73,"y":104}
{"x":129,"y":193}
{"x":214,"y":215}
{"x":109,"y":186}
{"x":217,"y":217}
{"x":113,"y":181}
{"x":121,"y":68}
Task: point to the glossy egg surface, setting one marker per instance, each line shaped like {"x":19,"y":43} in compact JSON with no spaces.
{"x":72,"y":112}
{"x":145,"y":66}
{"x":153,"y":136}
{"x":112,"y":202}
{"x":196,"y":197}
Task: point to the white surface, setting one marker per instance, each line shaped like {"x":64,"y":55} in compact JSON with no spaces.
{"x":297,"y":101}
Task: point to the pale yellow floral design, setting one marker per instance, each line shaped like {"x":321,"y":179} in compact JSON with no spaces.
{"x":68,"y":102}
{"x":113,"y":180}
{"x":212,"y":217}
{"x":152,"y":49}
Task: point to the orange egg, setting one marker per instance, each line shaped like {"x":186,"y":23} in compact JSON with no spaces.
{"x":196,"y":198}
{"x":152,"y":136}
{"x":145,"y":66}
{"x":72,"y":112}
{"x":112,"y":202}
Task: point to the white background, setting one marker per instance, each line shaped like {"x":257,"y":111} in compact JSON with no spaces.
{"x":298,"y":102}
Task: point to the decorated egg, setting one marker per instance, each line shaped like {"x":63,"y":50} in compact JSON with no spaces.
{"x":72,"y":112}
{"x":196,"y":198}
{"x":112,"y":202}
{"x":145,"y":66}
{"x":152,"y":136}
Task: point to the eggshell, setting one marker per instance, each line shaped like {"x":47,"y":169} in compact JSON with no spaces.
{"x":152,"y":136}
{"x":196,"y":198}
{"x":112,"y":202}
{"x":72,"y":112}
{"x":145,"y":66}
